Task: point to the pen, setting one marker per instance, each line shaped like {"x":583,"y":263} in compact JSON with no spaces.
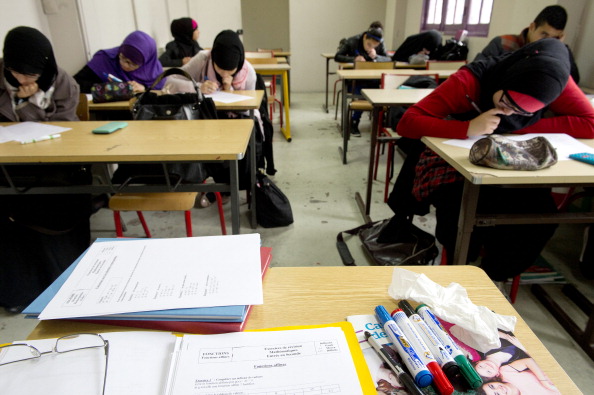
{"x":43,"y":138}
{"x":442,"y":356}
{"x":415,"y":365}
{"x":112,"y":77}
{"x":468,"y":371}
{"x":439,"y":379}
{"x":473,"y":104}
{"x":403,"y":377}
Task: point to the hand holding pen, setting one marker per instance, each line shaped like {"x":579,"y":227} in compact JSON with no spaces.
{"x":403,"y":377}
{"x":208,"y":86}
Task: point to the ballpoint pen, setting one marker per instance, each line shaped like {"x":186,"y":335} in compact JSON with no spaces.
{"x":402,"y":376}
{"x":474,"y":105}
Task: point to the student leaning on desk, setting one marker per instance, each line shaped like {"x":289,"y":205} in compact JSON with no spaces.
{"x":40,"y":235}
{"x":134,"y":61}
{"x":509,"y":94}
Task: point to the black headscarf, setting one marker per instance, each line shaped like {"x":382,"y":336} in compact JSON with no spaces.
{"x":539,"y":70}
{"x":182,"y":30}
{"x":430,"y":40}
{"x":28,"y":51}
{"x":227,"y":51}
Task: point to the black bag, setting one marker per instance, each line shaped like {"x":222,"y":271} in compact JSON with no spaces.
{"x":180,"y":106}
{"x":272,"y":205}
{"x":413,"y":247}
{"x":452,"y":50}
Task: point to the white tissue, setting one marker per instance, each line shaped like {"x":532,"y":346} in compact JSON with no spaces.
{"x":477,"y":325}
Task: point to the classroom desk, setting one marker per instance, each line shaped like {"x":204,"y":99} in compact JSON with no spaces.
{"x":566,"y":173}
{"x":281,"y":69}
{"x":379,"y":99}
{"x":157,"y":142}
{"x":349,"y":75}
{"x":316,"y":297}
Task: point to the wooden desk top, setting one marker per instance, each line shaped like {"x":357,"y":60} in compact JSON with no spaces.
{"x":318,"y":295}
{"x":393,"y":97}
{"x":279,"y":67}
{"x":237,"y":106}
{"x":140,"y":141}
{"x":374,"y":74}
{"x":563,"y":172}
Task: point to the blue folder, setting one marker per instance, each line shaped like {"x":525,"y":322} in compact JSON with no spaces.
{"x":205,"y":314}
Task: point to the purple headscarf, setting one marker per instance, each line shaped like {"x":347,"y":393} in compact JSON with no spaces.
{"x":107,"y":60}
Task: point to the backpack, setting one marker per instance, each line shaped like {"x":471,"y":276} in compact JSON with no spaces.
{"x":452,"y":50}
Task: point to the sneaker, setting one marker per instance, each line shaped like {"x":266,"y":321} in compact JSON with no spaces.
{"x":355,"y":128}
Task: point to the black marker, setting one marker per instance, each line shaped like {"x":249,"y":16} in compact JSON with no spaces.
{"x":403,"y":377}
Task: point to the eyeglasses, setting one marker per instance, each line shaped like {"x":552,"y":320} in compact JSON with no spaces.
{"x":15,"y":353}
{"x":125,"y":61}
{"x":509,"y":104}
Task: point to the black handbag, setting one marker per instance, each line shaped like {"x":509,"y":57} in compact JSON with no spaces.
{"x":179,"y":106}
{"x":272,"y":205}
{"x":413,"y":247}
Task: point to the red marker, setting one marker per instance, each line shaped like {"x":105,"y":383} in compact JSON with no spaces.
{"x":439,"y":378}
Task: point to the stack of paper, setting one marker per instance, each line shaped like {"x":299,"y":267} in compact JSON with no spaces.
{"x":194,"y":285}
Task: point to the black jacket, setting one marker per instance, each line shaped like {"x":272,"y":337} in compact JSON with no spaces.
{"x":352,"y":47}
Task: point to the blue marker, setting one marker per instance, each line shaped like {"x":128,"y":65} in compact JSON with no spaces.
{"x":442,"y":356}
{"x":112,"y":77}
{"x":415,"y":365}
{"x":468,"y":371}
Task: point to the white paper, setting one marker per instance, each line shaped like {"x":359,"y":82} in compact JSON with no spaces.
{"x":226,"y":97}
{"x":563,"y":143}
{"x":25,"y":131}
{"x":136,"y":366}
{"x":306,"y":361}
{"x":452,"y":304}
{"x":160,"y":274}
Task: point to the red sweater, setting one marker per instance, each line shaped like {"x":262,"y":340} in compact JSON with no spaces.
{"x":574,"y":114}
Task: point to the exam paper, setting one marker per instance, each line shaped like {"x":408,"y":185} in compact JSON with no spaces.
{"x":159,"y":274}
{"x":137,"y":365}
{"x":305,"y":361}
{"x":226,"y":97}
{"x":563,"y":143}
{"x":25,"y":131}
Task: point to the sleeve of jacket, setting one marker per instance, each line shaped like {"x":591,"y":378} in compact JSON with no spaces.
{"x":494,"y":48}
{"x":86,"y":78}
{"x":170,"y":58}
{"x":345,"y":53}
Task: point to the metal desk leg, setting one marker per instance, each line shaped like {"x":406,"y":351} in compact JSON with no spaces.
{"x":253,"y":169}
{"x":466,"y":221}
{"x":343,"y":121}
{"x":286,"y":104}
{"x":366,"y":209}
{"x":327,"y":78}
{"x":234,"y":196}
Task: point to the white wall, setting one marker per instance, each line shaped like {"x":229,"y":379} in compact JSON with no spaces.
{"x":213,"y":16}
{"x":27,"y":13}
{"x":317,"y":27}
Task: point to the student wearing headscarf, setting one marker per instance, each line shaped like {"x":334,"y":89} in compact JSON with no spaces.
{"x":513,"y":93}
{"x":185,"y":44}
{"x":134,"y":61}
{"x":32,"y":86}
{"x":40,"y":235}
{"x":364,"y":47}
{"x":421,"y":45}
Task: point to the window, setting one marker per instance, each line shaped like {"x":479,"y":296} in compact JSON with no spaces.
{"x":449,"y":16}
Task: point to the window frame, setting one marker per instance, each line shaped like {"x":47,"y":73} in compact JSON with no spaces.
{"x":475,"y":30}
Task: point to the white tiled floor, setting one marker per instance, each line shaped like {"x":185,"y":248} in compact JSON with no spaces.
{"x":321,"y":190}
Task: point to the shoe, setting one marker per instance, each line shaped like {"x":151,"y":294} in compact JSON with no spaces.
{"x":355,"y":128}
{"x":203,"y":200}
{"x":14,"y":309}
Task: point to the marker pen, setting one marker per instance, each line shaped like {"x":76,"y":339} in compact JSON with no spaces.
{"x":468,"y":371}
{"x":112,"y":77}
{"x":439,"y":379}
{"x":415,"y":365}
{"x":441,"y":355}
{"x":403,"y":377}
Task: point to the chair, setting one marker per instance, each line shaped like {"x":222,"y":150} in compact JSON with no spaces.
{"x":82,"y":110}
{"x":385,"y":133}
{"x":166,"y":201}
{"x":267,"y":57}
{"x":362,"y":104}
{"x":445,"y":64}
